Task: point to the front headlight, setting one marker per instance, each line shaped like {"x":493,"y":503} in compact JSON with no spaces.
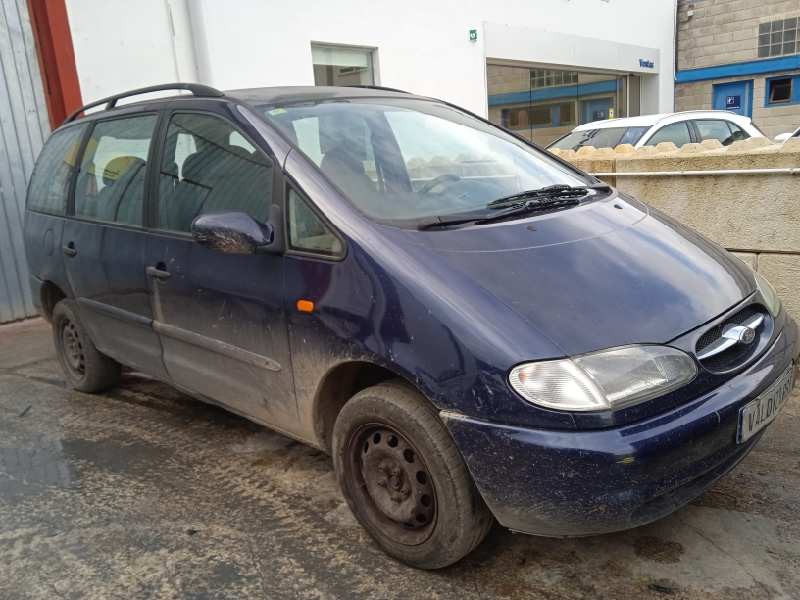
{"x":768,"y":293}
{"x":605,"y":380}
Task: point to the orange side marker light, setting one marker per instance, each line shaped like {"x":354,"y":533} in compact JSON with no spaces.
{"x":306,"y":306}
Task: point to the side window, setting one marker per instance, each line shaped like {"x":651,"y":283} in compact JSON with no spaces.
{"x":677,"y":133}
{"x":110,"y":186}
{"x":737,"y":133}
{"x":209,"y":166}
{"x":724,"y":131}
{"x":51,"y":177}
{"x":307,"y":232}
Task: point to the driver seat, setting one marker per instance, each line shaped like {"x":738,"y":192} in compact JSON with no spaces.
{"x":344,"y":168}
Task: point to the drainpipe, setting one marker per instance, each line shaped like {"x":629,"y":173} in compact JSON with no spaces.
{"x":196,"y":24}
{"x":183,"y":51}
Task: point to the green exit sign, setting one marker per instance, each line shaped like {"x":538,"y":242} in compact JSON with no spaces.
{"x":473,"y":35}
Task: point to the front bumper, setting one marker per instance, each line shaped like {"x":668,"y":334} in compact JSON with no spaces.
{"x":574,"y":483}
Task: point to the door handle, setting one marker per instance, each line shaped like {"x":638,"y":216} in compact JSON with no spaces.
{"x":69,"y":249}
{"x":158,"y":272}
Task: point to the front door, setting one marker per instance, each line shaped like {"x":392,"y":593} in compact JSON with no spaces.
{"x":736,"y":96}
{"x":105,"y":242}
{"x":220,"y":316}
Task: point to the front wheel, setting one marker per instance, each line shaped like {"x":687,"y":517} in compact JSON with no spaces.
{"x":404,"y":479}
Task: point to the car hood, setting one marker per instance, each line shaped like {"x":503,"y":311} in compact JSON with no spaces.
{"x":607,"y":273}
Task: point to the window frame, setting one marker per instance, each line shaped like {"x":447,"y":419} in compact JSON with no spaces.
{"x":291,"y":250}
{"x":152,"y":205}
{"x":371,"y":52}
{"x":82,"y":140}
{"x":794,"y":91}
{"x":764,"y":45}
{"x":148,"y":168}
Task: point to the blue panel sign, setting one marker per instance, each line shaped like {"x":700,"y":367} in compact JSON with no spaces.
{"x":733,"y":102}
{"x":646,"y":64}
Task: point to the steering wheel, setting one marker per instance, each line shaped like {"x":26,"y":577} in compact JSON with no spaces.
{"x":437,"y":181}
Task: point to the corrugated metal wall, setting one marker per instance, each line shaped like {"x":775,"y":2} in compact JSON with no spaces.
{"x":23,"y":128}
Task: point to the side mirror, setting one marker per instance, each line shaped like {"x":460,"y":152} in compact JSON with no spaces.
{"x":232,"y":233}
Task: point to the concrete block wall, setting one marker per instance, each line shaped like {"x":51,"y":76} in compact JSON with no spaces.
{"x":724,"y":31}
{"x":756,"y":216}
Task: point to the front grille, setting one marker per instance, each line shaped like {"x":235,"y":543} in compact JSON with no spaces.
{"x":738,"y":354}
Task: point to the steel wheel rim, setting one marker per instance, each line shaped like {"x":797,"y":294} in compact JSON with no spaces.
{"x":392,"y":484}
{"x":72,"y":349}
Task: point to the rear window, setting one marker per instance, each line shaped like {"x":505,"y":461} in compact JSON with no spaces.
{"x":51,"y":177}
{"x":608,"y":137}
{"x":717,"y":129}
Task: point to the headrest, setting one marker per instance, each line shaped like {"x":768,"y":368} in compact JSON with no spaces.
{"x":343,"y":129}
{"x":199,"y":164}
{"x":117,"y":167}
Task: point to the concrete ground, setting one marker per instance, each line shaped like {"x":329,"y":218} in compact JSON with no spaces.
{"x":145,"y":492}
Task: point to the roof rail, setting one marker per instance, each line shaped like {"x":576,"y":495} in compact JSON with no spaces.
{"x":198,"y":89}
{"x":379,"y":87}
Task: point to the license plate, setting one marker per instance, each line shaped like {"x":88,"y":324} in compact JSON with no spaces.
{"x":759,"y":413}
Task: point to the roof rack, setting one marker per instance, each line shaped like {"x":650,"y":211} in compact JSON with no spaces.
{"x":379,"y":87}
{"x":198,"y":89}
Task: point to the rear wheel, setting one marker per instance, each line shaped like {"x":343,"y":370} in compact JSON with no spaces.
{"x":85,"y":367}
{"x":405,"y":480}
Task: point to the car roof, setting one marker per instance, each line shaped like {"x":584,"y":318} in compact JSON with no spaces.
{"x":650,"y":120}
{"x":310,"y":93}
{"x":259,"y":96}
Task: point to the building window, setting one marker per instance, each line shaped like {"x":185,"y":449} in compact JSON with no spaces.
{"x":541,"y":78}
{"x":779,"y":90}
{"x":778,"y":38}
{"x":342,"y":65}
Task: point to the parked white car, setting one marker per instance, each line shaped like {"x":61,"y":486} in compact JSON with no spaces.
{"x":782,"y":137}
{"x":648,"y":130}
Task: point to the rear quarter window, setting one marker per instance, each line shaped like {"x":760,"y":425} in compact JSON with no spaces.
{"x":54,"y":169}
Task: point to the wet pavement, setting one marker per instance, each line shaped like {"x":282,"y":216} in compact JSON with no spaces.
{"x":145,"y":492}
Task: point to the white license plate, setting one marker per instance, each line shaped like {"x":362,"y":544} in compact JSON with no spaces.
{"x":759,"y":413}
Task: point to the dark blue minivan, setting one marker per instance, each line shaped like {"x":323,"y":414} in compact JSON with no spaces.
{"x":473,"y":328}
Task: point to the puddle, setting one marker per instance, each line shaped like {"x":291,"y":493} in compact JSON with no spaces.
{"x":30,"y":471}
{"x":116,"y":455}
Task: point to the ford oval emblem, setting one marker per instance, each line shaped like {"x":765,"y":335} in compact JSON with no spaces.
{"x":747,"y":335}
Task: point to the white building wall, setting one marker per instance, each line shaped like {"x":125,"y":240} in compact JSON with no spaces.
{"x":422,"y":45}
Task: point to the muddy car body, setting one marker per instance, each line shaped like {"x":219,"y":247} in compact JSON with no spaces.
{"x":562,"y":361}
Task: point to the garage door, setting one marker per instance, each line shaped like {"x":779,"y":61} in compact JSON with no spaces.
{"x":23,"y":127}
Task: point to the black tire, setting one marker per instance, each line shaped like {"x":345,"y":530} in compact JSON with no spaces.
{"x":85,"y":367}
{"x":404,"y":479}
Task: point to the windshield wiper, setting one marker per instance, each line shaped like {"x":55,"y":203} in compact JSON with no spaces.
{"x":480,"y":218}
{"x":558,"y":190}
{"x":546,"y":198}
{"x":459,"y":219}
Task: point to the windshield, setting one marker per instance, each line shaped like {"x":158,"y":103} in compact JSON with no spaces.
{"x":607,"y":137}
{"x":401,"y":160}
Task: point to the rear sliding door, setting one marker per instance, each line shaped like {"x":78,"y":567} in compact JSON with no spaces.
{"x":104,"y":242}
